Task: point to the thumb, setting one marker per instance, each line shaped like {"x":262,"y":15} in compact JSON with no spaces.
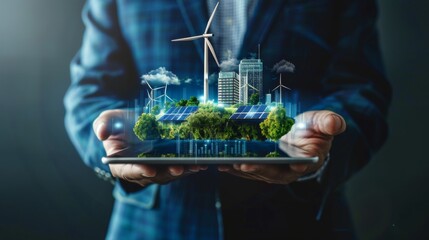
{"x":109,"y":122}
{"x":101,"y":129}
{"x":329,"y":123}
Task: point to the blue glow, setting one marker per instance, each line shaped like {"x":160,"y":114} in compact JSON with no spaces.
{"x":118,"y":125}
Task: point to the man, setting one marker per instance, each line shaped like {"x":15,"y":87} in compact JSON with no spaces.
{"x":340,"y":80}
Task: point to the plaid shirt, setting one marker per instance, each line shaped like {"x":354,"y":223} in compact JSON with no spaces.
{"x":333,"y":44}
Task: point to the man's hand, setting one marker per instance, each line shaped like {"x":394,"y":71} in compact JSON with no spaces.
{"x":311,"y":135}
{"x":114,"y":129}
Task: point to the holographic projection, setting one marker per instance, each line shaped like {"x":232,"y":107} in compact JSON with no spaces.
{"x":243,"y":121}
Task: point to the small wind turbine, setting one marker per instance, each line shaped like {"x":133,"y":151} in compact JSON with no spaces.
{"x":245,"y":91}
{"x":280,"y":86}
{"x":151,"y":94}
{"x":207,"y":46}
{"x":165,"y":95}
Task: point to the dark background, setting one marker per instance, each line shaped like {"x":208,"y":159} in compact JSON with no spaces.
{"x":46,"y":191}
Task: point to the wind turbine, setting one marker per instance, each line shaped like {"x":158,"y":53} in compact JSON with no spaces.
{"x":246,"y":86}
{"x":151,"y":94}
{"x":207,"y":46}
{"x":280,"y":86}
{"x":165,"y":95}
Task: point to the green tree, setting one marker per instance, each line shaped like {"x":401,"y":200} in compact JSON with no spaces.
{"x":168,"y":105}
{"x":147,"y":127}
{"x":155,"y":110}
{"x":168,"y":131}
{"x":193,"y":101}
{"x":182,"y":103}
{"x":277,"y":124}
{"x":206,"y":122}
{"x":254,"y":99}
{"x":250,"y":131}
{"x":184,"y":130}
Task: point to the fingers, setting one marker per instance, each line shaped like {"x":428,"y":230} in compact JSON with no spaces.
{"x":324,"y":122}
{"x":265,"y":172}
{"x":103,"y":126}
{"x":176,"y":170}
{"x":131,"y":172}
{"x":146,"y":174}
{"x":299,"y":168}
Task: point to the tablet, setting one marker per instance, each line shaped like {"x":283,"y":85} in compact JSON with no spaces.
{"x":184,"y":152}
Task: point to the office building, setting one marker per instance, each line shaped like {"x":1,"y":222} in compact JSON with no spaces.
{"x":228,"y":88}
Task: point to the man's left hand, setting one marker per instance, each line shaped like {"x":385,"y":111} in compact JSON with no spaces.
{"x":311,"y":135}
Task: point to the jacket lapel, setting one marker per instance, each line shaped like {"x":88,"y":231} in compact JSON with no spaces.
{"x":260,"y":23}
{"x":195,"y":17}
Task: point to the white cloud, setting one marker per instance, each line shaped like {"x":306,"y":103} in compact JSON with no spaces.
{"x":229,"y":65}
{"x":161,"y":76}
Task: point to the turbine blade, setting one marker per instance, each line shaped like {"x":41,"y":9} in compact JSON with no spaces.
{"x":275,"y":88}
{"x":211,"y":18}
{"x":149,"y":85}
{"x":149,"y":96}
{"x":188,"y":38}
{"x":253,"y":87}
{"x":212,"y":51}
{"x":169,"y":98}
{"x":285,"y":87}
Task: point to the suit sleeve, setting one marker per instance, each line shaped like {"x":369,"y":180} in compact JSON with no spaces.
{"x":355,"y":87}
{"x":103,"y":78}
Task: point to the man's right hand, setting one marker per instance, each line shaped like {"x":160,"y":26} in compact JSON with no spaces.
{"x":114,"y":129}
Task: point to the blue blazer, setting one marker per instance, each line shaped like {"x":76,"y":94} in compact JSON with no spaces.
{"x":333,"y":44}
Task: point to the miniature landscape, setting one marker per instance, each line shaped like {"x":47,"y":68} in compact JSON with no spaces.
{"x":210,"y":130}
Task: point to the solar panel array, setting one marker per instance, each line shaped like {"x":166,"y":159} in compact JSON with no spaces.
{"x":177,"y":114}
{"x":252,"y":112}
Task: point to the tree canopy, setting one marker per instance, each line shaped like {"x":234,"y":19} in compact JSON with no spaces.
{"x":254,"y":99}
{"x":193,"y":101}
{"x":147,"y":127}
{"x":277,"y":124}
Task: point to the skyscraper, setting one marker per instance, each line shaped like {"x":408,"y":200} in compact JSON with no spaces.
{"x":251,"y":79}
{"x":228,"y":88}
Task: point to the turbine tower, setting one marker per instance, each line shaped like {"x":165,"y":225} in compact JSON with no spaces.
{"x":280,"y":86}
{"x":207,"y":46}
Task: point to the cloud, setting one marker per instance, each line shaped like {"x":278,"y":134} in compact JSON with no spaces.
{"x":229,"y":65}
{"x":161,"y":76}
{"x":284,"y":66}
{"x":188,"y":80}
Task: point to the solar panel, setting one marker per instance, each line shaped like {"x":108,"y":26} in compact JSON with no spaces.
{"x":178,"y":113}
{"x":240,"y":109}
{"x":234,"y":116}
{"x":257,"y":116}
{"x":262,"y":108}
{"x":247,"y":108}
{"x":242,"y":116}
{"x":250,"y":115}
{"x":254,"y":109}
{"x":169,"y":110}
{"x":251,"y":112}
{"x":175,"y":110}
{"x":182,"y":109}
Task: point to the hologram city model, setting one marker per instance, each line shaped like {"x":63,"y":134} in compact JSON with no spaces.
{"x":237,"y":125}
